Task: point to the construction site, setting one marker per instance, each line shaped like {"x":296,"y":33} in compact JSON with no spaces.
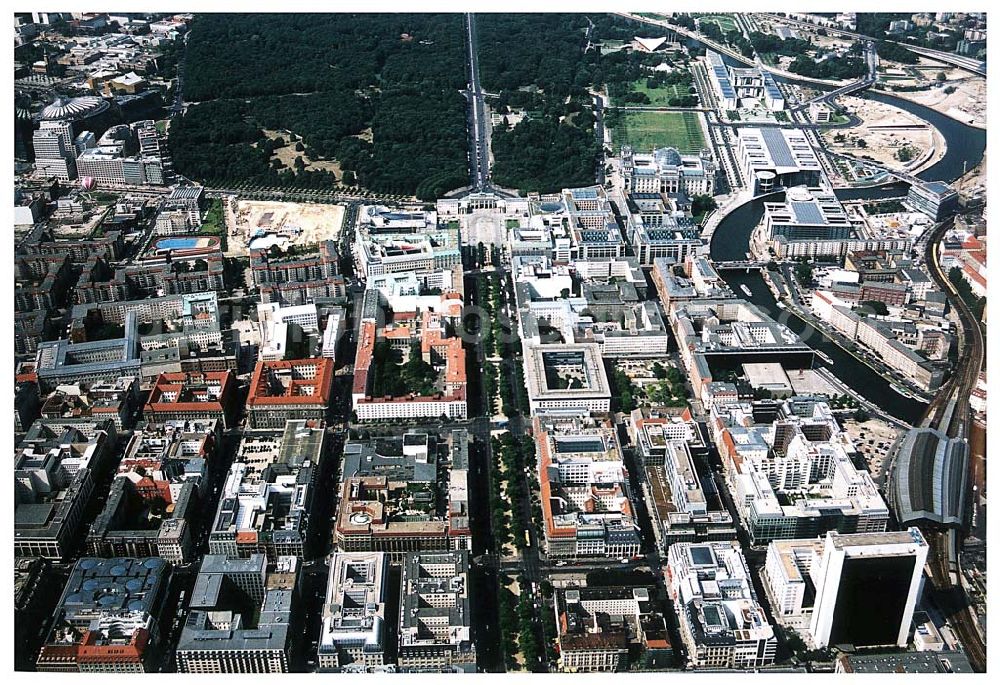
{"x":254,"y":224}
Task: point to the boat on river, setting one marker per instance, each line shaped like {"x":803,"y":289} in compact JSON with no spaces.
{"x":902,"y":391}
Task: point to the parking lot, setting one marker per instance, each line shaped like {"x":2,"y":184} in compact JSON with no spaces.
{"x":873,"y":439}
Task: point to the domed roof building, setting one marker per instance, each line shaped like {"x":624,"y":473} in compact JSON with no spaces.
{"x":86,"y":113}
{"x":74,"y":109}
{"x":667,"y":157}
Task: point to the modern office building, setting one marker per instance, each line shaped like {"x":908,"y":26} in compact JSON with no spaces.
{"x":354,"y":631}
{"x":566,"y":376}
{"x":789,"y":583}
{"x":683,"y":506}
{"x":867,"y":587}
{"x":721,"y":622}
{"x":789,"y":470}
{"x":267,"y":498}
{"x":586,"y":503}
{"x":652,"y":431}
{"x":240,"y":616}
{"x":287,"y":332}
{"x":714,"y":333}
{"x":936,"y":199}
{"x":33,"y":579}
{"x":718,"y":76}
{"x":123,"y":526}
{"x":806,"y":215}
{"x":336,"y":323}
{"x":896,"y":662}
{"x":180,"y":212}
{"x":655,"y":234}
{"x":413,"y":457}
{"x":435,"y":613}
{"x":55,"y":154}
{"x":771,"y":158}
{"x":859,"y":589}
{"x":110,"y":168}
{"x":398,"y":248}
{"x":593,"y":227}
{"x":55,"y":469}
{"x":755,"y":84}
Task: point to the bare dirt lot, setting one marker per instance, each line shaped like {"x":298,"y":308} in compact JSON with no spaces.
{"x":285,"y":223}
{"x":967,"y":103}
{"x":885,"y":132}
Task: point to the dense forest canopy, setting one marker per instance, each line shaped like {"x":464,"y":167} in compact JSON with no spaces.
{"x":379,"y":93}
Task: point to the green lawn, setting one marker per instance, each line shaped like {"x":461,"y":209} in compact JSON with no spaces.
{"x":645,"y":131}
{"x":659,"y":97}
{"x":725,"y":22}
{"x":214,"y":223}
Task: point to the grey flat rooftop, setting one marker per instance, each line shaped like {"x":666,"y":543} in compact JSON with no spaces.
{"x":33,"y":514}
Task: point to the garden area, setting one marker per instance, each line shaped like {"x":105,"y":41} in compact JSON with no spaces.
{"x":396,"y":378}
{"x":666,"y":95}
{"x":670,"y":89}
{"x":214,"y":222}
{"x":723,"y":21}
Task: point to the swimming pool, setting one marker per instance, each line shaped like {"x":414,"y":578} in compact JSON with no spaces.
{"x":177,"y":243}
{"x":186,"y":243}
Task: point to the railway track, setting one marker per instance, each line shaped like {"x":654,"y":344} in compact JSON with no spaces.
{"x":950,"y":413}
{"x":966,"y":373}
{"x":951,"y":599}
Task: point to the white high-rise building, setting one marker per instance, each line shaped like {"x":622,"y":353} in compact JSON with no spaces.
{"x":867,"y":586}
{"x":857,"y":588}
